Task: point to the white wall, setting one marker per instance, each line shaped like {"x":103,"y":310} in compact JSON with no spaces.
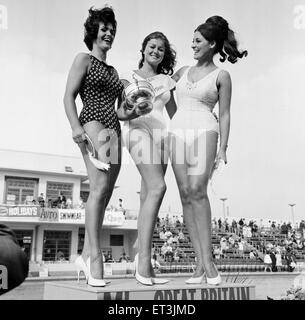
{"x":2,"y":186}
{"x":42,"y":185}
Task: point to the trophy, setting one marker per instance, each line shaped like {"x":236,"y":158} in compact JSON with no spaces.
{"x":139,"y":96}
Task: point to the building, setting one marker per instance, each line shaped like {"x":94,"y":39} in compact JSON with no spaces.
{"x":55,"y":233}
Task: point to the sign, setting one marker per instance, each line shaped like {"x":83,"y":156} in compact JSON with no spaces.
{"x":222,"y":293}
{"x":11,"y":197}
{"x":107,"y":269}
{"x":114,"y":218}
{"x":3,"y":211}
{"x":21,"y":211}
{"x":48,"y":214}
{"x":71,"y":216}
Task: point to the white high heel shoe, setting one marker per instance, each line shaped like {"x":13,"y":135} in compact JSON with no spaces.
{"x":142,"y":280}
{"x":214,"y":281}
{"x":81,"y":267}
{"x":159,"y":280}
{"x":93,"y":282}
{"x":195,"y":280}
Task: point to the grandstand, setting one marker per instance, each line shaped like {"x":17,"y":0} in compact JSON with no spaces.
{"x":230,"y":258}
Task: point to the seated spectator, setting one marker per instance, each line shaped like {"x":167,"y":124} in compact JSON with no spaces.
{"x":231,"y":241}
{"x":240,"y":248}
{"x":164,"y":249}
{"x":60,"y":256}
{"x":168,"y":234}
{"x":217,"y":252}
{"x":252,"y":255}
{"x":162,"y":234}
{"x":181,"y":237}
{"x":223,"y":245}
{"x":177,"y":254}
{"x":123,"y":257}
{"x":279,"y":263}
{"x":155,"y":264}
{"x":69,"y":203}
{"x":80,"y":204}
{"x":108,"y":257}
{"x":175,"y":239}
{"x":167,"y":251}
{"x":170,"y":240}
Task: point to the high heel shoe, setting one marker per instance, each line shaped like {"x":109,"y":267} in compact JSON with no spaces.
{"x":143,"y":280}
{"x":93,"y":282}
{"x":195,"y":280}
{"x":156,"y":280}
{"x":214,"y":281}
{"x":81,"y":267}
{"x":159,"y":280}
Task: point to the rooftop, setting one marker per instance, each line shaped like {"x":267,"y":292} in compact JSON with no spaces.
{"x":41,"y":162}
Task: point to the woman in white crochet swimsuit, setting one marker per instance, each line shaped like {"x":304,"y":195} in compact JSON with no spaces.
{"x":194,"y":134}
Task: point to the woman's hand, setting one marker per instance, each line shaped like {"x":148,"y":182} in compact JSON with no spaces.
{"x":222,"y":155}
{"x":78,"y":134}
{"x":126,"y":113}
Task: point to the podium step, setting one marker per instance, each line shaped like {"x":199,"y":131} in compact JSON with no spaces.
{"x":130,"y":289}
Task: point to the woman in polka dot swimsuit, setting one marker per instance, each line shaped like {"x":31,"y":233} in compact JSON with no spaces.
{"x":99,"y":87}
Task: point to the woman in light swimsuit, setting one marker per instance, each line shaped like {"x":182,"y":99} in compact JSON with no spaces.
{"x":146,"y":139}
{"x":194,"y":132}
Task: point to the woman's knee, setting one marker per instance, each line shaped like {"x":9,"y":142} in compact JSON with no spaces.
{"x":99,"y":193}
{"x":198,"y":192}
{"x":157,"y":190}
{"x":184,"y":195}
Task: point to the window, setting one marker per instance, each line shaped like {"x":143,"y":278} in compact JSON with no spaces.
{"x":116,"y":240}
{"x":54,"y":189}
{"x":56,"y":245}
{"x":81,"y":240}
{"x":24,"y":238}
{"x":84,"y":195}
{"x":20,"y":190}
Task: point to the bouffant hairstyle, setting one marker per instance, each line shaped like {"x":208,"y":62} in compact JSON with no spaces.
{"x":169,"y":60}
{"x":96,"y":16}
{"x":217,"y":29}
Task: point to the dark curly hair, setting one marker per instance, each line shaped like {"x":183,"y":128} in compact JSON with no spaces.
{"x":169,"y":60}
{"x":217,"y":29}
{"x":96,"y":16}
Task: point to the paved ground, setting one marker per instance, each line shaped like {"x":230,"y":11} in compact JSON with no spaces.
{"x":267,"y":284}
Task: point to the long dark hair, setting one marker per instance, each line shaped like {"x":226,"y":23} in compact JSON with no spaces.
{"x":169,"y":60}
{"x":217,"y":29}
{"x":96,"y":16}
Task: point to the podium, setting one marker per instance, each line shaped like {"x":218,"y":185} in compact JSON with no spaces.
{"x":130,"y":289}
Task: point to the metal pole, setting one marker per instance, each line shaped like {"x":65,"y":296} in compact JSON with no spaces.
{"x":224,"y":206}
{"x":292,"y":212}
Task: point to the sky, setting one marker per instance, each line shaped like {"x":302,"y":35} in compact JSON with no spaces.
{"x":40,"y":38}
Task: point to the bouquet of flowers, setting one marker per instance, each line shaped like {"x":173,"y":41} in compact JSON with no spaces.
{"x":294,"y":293}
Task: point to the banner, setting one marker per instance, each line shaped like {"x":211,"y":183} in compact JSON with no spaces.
{"x":114,"y":218}
{"x":48,"y":214}
{"x":19,"y":211}
{"x":71,"y":216}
